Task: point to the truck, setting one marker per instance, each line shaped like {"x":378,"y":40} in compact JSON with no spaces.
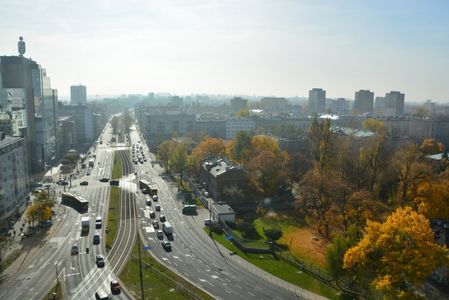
{"x":167,"y":228}
{"x":85,"y":225}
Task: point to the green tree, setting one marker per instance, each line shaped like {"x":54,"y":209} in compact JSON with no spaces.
{"x":322,"y":142}
{"x":273,"y":234}
{"x":241,"y":148}
{"x":178,"y":159}
{"x":336,"y":250}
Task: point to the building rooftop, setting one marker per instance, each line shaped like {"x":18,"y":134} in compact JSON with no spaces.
{"x":222,"y":208}
{"x":218,"y":166}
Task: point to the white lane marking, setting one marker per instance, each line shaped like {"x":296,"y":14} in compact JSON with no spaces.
{"x":254,"y":295}
{"x":166,"y":259}
{"x":214,"y":276}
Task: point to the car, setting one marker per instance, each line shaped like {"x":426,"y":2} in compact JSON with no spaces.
{"x":96,"y":239}
{"x":99,"y":261}
{"x":114,"y":182}
{"x":88,"y":173}
{"x":155,"y":198}
{"x":155,"y":224}
{"x":98,"y":222}
{"x":160,"y":234}
{"x":101,"y":295}
{"x":158,"y":207}
{"x":84,"y":183}
{"x":115,"y":287}
{"x":62,"y":182}
{"x":166,"y":245}
{"x":148,"y":202}
{"x":206,"y":194}
{"x":152,"y":214}
{"x":162,"y":218}
{"x":74,"y":250}
{"x":46,"y":224}
{"x":104,"y":179}
{"x":207,"y":222}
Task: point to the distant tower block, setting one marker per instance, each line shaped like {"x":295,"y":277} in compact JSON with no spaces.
{"x":21,"y":46}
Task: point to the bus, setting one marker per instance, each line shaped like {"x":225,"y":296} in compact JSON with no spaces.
{"x":74,"y":201}
{"x":147,"y":187}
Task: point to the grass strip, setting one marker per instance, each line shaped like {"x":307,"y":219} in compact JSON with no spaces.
{"x":279,"y":269}
{"x":158,"y":281}
{"x":55,"y":292}
{"x":113,"y":216}
{"x":8,"y":260}
{"x":117,"y":167}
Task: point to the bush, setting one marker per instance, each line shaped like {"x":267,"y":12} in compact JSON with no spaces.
{"x":248,"y":231}
{"x":273,"y":234}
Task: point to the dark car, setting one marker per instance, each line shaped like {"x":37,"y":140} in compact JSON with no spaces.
{"x":99,"y":260}
{"x":104,"y":179}
{"x":46,"y":224}
{"x":166,"y":245}
{"x":114,"y":182}
{"x":158,"y":207}
{"x":84,"y":183}
{"x":155,"y":224}
{"x":115,"y":287}
{"x":162,"y":218}
{"x":62,"y":182}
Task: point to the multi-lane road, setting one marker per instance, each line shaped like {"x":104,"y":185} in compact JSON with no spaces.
{"x":194,"y":255}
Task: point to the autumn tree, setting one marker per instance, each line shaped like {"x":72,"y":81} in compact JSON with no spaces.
{"x":294,"y":167}
{"x":432,"y":199}
{"x":397,"y":255}
{"x":412,"y":171}
{"x":431,"y":146}
{"x":265,"y":171}
{"x":41,"y":208}
{"x":114,"y":124}
{"x":319,"y":191}
{"x":243,"y":113}
{"x":322,"y":142}
{"x":209,"y":147}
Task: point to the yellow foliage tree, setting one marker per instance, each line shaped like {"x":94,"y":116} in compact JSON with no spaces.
{"x":399,"y":253}
{"x":431,"y":146}
{"x":433,"y":199}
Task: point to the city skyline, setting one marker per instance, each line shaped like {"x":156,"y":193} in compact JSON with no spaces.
{"x":281,"y":48}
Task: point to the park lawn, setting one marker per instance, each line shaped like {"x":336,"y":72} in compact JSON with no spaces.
{"x":117,"y":167}
{"x":280,"y":269}
{"x":158,"y":282}
{"x":113,"y":216}
{"x":302,"y":241}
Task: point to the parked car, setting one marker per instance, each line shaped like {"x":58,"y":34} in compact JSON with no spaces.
{"x":115,"y":287}
{"x":148,"y":202}
{"x":152,"y":214}
{"x":155,"y":198}
{"x":46,"y":224}
{"x":84,"y":183}
{"x":101,"y":295}
{"x":99,"y":260}
{"x":207,"y":222}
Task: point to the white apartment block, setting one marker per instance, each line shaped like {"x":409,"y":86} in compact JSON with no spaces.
{"x":13,"y":177}
{"x":238,"y":124}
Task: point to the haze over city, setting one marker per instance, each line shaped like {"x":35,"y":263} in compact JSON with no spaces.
{"x":281,"y":48}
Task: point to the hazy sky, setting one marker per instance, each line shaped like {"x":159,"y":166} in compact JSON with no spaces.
{"x":260,"y":47}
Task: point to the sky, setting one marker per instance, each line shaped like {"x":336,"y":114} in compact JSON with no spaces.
{"x":253,"y":47}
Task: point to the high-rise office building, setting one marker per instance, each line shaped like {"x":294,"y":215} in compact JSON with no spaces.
{"x":18,"y":72}
{"x":363,"y":101}
{"x":317,"y":101}
{"x":78,"y":94}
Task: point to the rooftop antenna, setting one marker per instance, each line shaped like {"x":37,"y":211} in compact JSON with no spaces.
{"x":21,"y":46}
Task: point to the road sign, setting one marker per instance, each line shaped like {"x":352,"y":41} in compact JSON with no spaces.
{"x":146,"y":247}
